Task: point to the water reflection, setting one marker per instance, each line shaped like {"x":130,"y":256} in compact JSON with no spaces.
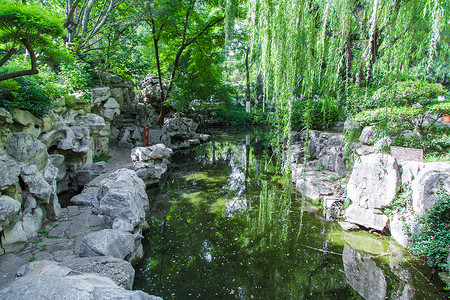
{"x":218,"y":231}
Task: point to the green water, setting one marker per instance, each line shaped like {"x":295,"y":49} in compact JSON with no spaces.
{"x":220,"y":229}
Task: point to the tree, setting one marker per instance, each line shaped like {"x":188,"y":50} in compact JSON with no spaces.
{"x":180,"y":26}
{"x":90,"y":24}
{"x":25,"y":26}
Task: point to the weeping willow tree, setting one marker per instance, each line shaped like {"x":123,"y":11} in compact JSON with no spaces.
{"x":316,"y":48}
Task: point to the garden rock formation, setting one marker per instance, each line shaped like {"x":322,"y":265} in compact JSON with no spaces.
{"x":151,"y":162}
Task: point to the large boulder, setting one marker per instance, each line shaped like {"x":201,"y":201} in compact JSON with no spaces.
{"x":151,"y":162}
{"x":100,"y":94}
{"x":9,"y":210}
{"x":14,"y":238}
{"x":10,"y":177}
{"x":26,"y":148}
{"x":120,"y":271}
{"x":88,"y":172}
{"x":122,"y":195}
{"x":426,"y":181}
{"x":368,"y":135}
{"x":110,"y":242}
{"x":373,"y":185}
{"x":58,"y":285}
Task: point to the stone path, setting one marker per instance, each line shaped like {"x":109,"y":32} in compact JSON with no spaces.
{"x":60,"y":240}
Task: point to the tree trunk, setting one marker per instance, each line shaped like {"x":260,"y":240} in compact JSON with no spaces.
{"x":33,"y":69}
{"x":247,"y":73}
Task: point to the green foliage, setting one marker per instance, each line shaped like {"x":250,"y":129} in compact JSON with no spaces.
{"x":433,"y":242}
{"x":75,"y":76}
{"x":21,"y":21}
{"x":411,"y":92}
{"x":101,"y":157}
{"x":320,"y":115}
{"x":32,"y":93}
{"x":232,"y":114}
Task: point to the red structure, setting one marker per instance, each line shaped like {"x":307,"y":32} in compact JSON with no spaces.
{"x":145,"y":135}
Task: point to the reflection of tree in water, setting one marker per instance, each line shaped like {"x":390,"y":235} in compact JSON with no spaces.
{"x":209,"y":248}
{"x":229,"y":233}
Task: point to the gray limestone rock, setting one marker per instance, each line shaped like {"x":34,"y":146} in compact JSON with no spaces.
{"x":373,"y":185}
{"x":118,"y":270}
{"x":36,"y":183}
{"x":14,"y":238}
{"x":9,"y":210}
{"x":124,"y":225}
{"x":369,"y":218}
{"x":108,"y":242}
{"x":25,"y":148}
{"x":426,"y":187}
{"x":77,"y":287}
{"x":12,"y":176}
{"x":88,"y":172}
{"x":374,"y":181}
{"x":100,"y":94}
{"x":368,"y":134}
{"x":122,"y":195}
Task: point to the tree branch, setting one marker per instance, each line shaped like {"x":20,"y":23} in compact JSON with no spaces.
{"x":33,"y":69}
{"x":8,"y":55}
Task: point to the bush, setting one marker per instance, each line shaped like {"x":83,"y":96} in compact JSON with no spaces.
{"x":232,"y":114}
{"x":433,"y":242}
{"x":319,"y":115}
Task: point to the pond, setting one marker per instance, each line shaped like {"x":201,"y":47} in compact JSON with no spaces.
{"x":220,"y":228}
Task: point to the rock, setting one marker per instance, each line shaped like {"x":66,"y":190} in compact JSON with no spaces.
{"x":150,"y":162}
{"x":5,"y":116}
{"x":409,"y":170}
{"x":9,"y":210}
{"x":363,"y":274}
{"x":110,"y":109}
{"x":118,"y":270}
{"x":99,"y":95}
{"x":396,"y":230}
{"x":76,"y":101}
{"x":150,"y":154}
{"x":383,"y":142}
{"x":88,"y":172}
{"x":93,"y":122}
{"x":426,"y":187}
{"x":122,"y":225}
{"x":374,"y":181}
{"x":9,"y":264}
{"x":122,"y":195}
{"x":86,"y":286}
{"x":36,"y":183}
{"x":25,"y":148}
{"x":10,"y":177}
{"x":14,"y":238}
{"x":314,"y":188}
{"x":32,"y":124}
{"x":117,"y":93}
{"x":88,"y":196}
{"x":108,"y":242}
{"x":32,"y":222}
{"x":346,"y":226}
{"x":369,"y":218}
{"x":368,"y":135}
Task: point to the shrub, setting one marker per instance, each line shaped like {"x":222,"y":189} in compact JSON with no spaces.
{"x":318,"y":115}
{"x":234,"y":115}
{"x":433,"y":242}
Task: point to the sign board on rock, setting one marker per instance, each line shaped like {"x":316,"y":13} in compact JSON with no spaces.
{"x":407,"y":154}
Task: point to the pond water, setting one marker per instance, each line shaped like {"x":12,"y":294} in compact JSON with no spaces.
{"x":219,"y":229}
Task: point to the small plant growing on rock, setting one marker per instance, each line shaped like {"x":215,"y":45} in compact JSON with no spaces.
{"x":433,"y":241}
